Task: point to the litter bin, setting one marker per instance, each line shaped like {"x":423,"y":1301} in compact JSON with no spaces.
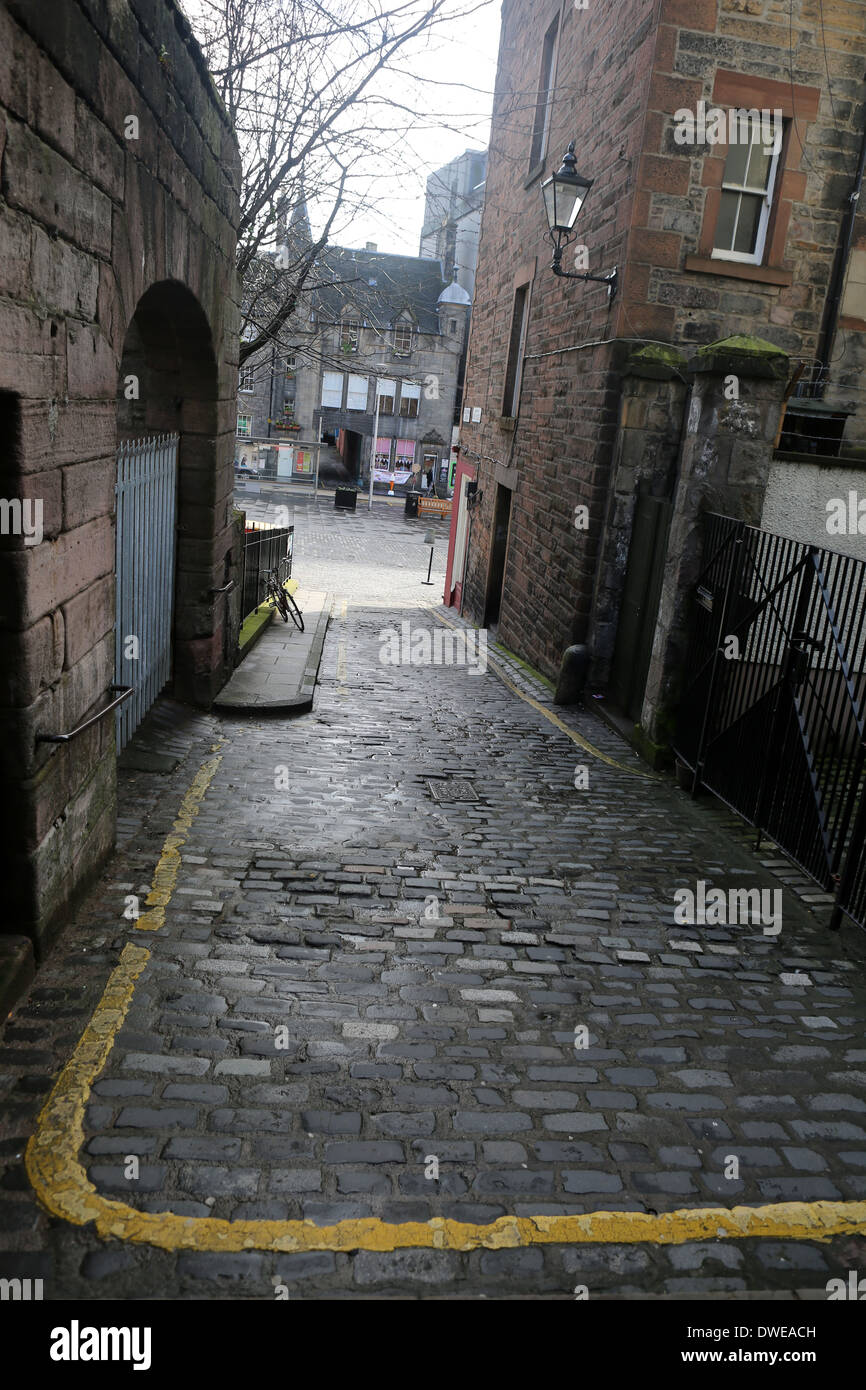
{"x":345,"y":498}
{"x":411,"y":508}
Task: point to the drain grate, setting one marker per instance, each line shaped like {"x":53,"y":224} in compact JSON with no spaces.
{"x":452,"y":790}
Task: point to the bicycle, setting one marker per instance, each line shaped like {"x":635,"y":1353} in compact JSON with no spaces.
{"x":283,"y":601}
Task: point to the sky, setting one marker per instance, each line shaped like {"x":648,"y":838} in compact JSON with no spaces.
{"x":451,"y":73}
{"x":463,"y":56}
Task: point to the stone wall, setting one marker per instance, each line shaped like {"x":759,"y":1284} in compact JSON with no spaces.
{"x":120,"y":179}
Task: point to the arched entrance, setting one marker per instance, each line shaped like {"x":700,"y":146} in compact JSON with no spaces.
{"x":167,"y":492}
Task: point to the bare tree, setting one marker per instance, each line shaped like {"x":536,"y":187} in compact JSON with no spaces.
{"x":321,"y":100}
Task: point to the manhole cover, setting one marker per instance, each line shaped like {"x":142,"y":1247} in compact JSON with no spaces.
{"x":452,"y":791}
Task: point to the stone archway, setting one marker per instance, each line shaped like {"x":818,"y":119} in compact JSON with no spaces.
{"x":168,"y":385}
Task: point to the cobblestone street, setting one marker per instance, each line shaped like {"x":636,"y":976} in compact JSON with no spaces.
{"x":408,"y":970}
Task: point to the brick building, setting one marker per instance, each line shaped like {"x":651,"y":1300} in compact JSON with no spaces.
{"x":118,"y":371}
{"x":735,"y":259}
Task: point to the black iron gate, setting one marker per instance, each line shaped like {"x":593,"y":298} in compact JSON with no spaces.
{"x":772,"y":719}
{"x":264,"y":547}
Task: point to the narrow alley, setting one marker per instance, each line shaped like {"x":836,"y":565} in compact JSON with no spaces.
{"x":410,"y":963}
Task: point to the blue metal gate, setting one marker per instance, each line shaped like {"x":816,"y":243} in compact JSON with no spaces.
{"x":146,"y":494}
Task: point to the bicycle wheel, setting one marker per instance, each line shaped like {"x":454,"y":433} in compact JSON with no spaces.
{"x":279,"y":596}
{"x":295,"y":612}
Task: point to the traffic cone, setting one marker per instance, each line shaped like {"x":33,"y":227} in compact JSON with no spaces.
{"x":391,"y":493}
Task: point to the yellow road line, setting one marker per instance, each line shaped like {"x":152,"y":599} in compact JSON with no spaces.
{"x":553,"y":718}
{"x":63,"y":1188}
{"x":166,"y":871}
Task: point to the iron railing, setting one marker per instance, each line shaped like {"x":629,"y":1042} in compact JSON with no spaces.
{"x":264,"y":548}
{"x":146,"y":493}
{"x":772,"y":719}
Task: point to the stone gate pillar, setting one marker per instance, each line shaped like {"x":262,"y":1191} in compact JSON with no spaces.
{"x":736,"y":403}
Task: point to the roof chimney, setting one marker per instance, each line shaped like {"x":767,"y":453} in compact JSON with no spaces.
{"x":371,"y":246}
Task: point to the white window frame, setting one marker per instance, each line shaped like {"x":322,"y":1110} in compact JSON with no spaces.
{"x":248,"y":432}
{"x":401,"y":328}
{"x":329,"y":388}
{"x":352,"y":327}
{"x":386,"y":389}
{"x":355,"y":391}
{"x":410,"y":391}
{"x":246,"y":373}
{"x":755,"y":257}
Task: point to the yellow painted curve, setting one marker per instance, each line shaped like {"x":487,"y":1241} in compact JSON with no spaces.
{"x":168,"y":865}
{"x":554,"y":719}
{"x":62,"y":1186}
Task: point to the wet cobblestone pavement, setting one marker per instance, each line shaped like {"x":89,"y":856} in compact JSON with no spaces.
{"x":395,"y":924}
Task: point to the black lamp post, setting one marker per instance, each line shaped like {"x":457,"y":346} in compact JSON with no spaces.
{"x":564,"y":195}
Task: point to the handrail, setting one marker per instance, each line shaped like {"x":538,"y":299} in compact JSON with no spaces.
{"x":126,"y":691}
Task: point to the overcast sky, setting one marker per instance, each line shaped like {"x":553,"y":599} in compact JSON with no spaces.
{"x":463,"y":56}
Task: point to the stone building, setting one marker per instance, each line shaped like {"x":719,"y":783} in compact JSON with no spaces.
{"x":373,"y":325}
{"x":118,"y":321}
{"x":737,"y":258}
{"x":452,"y":217}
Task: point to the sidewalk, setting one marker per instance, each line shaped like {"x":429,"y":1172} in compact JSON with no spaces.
{"x":279,"y":674}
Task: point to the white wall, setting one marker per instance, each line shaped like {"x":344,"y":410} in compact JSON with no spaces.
{"x":795,"y":503}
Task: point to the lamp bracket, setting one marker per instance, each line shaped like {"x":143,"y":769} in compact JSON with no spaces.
{"x":611,"y":279}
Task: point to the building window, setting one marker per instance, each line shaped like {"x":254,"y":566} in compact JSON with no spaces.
{"x":544,"y":100}
{"x":289,"y":363}
{"x":516,"y":345}
{"x":349,"y":332}
{"x":386,"y":392}
{"x":746,"y":197}
{"x":356,"y":396}
{"x":247,"y":379}
{"x":383,"y":454}
{"x":403,"y":339}
{"x":332,"y":390}
{"x":245,"y":426}
{"x":405,"y":454}
{"x":453,"y":326}
{"x":410,"y":394}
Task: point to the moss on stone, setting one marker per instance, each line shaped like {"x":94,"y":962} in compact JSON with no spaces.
{"x":659,"y":352}
{"x":659,"y":361}
{"x":741,"y":343}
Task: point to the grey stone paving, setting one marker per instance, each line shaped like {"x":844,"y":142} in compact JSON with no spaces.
{"x":357,"y":977}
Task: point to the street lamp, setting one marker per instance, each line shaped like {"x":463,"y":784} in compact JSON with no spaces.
{"x":564,"y":195}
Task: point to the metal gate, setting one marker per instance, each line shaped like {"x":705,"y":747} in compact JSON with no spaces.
{"x":772,"y":719}
{"x":146,"y":494}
